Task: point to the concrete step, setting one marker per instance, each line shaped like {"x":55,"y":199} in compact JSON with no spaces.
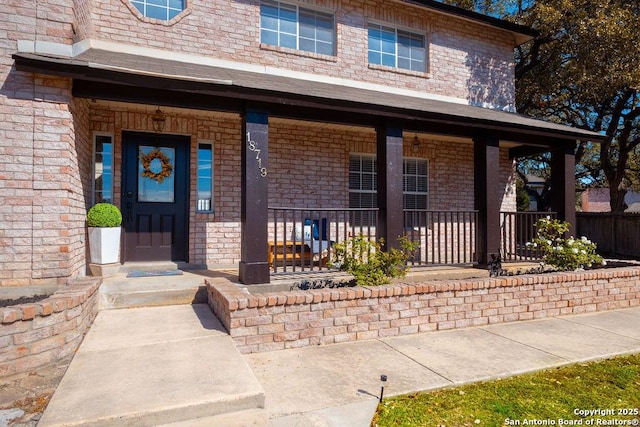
{"x":247,"y":418}
{"x":121,"y":291}
{"x":148,"y":266}
{"x":151,"y":366}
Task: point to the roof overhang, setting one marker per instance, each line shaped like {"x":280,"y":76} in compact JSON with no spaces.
{"x":119,"y":76}
{"x":521,"y":33}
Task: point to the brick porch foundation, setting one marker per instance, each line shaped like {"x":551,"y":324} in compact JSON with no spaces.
{"x":280,"y":320}
{"x":39,"y":334}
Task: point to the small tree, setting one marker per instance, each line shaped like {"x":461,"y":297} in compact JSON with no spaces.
{"x":560,"y":252}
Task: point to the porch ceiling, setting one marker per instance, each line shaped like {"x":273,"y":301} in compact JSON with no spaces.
{"x":128,"y":77}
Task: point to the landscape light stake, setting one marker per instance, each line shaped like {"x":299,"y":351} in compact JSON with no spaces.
{"x":383,"y":380}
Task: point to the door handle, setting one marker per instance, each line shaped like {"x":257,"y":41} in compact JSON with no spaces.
{"x":129,"y":206}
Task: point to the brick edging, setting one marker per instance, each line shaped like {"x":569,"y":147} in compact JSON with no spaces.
{"x":38,"y":334}
{"x":278,"y":320}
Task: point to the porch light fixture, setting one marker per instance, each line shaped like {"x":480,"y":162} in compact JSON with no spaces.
{"x":416,"y":144}
{"x":159,"y":120}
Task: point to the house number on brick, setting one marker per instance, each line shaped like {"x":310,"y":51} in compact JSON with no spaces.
{"x":254,"y":147}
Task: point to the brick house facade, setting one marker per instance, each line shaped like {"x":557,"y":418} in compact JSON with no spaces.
{"x":74,"y":71}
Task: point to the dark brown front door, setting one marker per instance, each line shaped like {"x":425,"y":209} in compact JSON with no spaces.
{"x":155,"y":196}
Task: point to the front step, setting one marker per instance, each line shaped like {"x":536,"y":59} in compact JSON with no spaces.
{"x":148,"y":266}
{"x":151,"y":366}
{"x":247,"y":418}
{"x":128,"y":292}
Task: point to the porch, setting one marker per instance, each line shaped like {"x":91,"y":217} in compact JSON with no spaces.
{"x":189,"y":287}
{"x":303,"y":240}
{"x":258,"y":126}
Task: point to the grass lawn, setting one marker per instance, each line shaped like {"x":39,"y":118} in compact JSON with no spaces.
{"x":595,"y":393}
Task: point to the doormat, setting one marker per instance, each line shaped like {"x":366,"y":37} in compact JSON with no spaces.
{"x":155,"y":273}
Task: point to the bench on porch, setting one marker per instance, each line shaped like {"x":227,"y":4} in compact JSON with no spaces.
{"x":289,"y":253}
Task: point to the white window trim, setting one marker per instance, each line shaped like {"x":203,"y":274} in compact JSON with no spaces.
{"x":422,"y":159}
{"x":93,"y":163}
{"x":423,"y":34}
{"x":314,"y":8}
{"x":167,"y":8}
{"x":419,"y":193}
{"x":363,"y":155}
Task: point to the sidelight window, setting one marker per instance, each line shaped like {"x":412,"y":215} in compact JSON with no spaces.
{"x":205,"y":178}
{"x":102,"y":168}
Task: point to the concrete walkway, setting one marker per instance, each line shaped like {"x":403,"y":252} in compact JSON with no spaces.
{"x":153,"y":365}
{"x":174,"y":365}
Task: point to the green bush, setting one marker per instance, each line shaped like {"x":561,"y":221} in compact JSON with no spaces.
{"x":369,"y":264}
{"x":560,"y":252}
{"x":104,"y":215}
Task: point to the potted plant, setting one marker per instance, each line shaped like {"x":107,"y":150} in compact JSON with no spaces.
{"x":104,"y":220}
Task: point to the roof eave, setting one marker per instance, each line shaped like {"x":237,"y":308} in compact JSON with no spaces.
{"x":472,"y":117}
{"x":521,"y":33}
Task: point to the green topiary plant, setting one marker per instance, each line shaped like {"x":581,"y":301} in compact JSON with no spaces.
{"x":104,"y":215}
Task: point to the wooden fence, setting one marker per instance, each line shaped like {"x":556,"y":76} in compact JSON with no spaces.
{"x":615,"y":234}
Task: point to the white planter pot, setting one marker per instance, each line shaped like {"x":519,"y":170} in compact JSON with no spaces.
{"x":104,"y":244}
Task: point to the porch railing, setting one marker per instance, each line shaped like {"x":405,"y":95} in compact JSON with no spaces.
{"x":517,"y":228}
{"x":303,"y":239}
{"x":443,"y":237}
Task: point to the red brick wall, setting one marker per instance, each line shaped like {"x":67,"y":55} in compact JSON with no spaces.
{"x":279,"y":320}
{"x":43,"y":155}
{"x":46,"y":144}
{"x":38,"y":334}
{"x":308,"y":168}
{"x":467,"y":60}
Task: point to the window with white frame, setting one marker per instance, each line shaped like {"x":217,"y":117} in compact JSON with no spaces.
{"x":295,"y":27}
{"x":164,"y":10}
{"x":362,"y":181}
{"x":416,"y":184}
{"x":102,"y":168}
{"x":396,"y":48}
{"x":363,"y":189}
{"x":204,"y":187}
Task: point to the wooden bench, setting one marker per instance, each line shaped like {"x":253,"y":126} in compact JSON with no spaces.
{"x":289,"y":253}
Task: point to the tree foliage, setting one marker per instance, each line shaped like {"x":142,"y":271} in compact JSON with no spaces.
{"x":583,"y":69}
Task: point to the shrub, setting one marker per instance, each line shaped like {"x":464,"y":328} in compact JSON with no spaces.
{"x":560,"y":252}
{"x":104,"y":215}
{"x":305,"y":285}
{"x":369,"y":264}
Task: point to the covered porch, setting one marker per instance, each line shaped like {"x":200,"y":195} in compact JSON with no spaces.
{"x":293,"y":219}
{"x":302,"y":240}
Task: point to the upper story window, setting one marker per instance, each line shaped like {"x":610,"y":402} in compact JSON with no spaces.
{"x":295,"y":27}
{"x":164,"y":10}
{"x":397,"y":48}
